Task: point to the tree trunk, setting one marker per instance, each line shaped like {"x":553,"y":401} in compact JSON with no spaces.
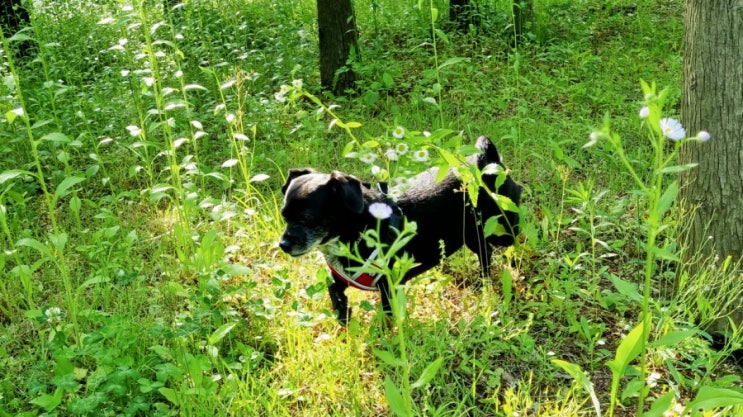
{"x":523,"y":17}
{"x":462,"y":13}
{"x":338,"y":40}
{"x":713,"y":101}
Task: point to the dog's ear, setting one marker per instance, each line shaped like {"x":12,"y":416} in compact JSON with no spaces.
{"x":349,"y":189}
{"x":294,"y":173}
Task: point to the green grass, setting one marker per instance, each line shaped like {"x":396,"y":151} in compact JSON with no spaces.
{"x":141,"y":160}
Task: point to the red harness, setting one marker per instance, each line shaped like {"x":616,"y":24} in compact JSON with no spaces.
{"x":361,"y":280}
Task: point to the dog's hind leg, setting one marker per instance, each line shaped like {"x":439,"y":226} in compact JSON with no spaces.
{"x":475,"y":241}
{"x":337,"y":292}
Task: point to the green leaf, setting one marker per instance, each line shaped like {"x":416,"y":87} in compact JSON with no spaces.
{"x":56,"y":137}
{"x":675,"y":169}
{"x":441,"y":34}
{"x":627,"y":351}
{"x":348,"y":148}
{"x":668,"y":197}
{"x":494,"y":228}
{"x":660,"y":405}
{"x":20,"y":37}
{"x":672,"y":338}
{"x":626,"y":288}
{"x":169,"y":395}
{"x":709,"y":398}
{"x":388,"y":358}
{"x":59,"y":240}
{"x":665,"y":254}
{"x":394,"y":398}
{"x":13,"y":173}
{"x":387,"y":80}
{"x":452,"y":61}
{"x":353,"y":125}
{"x":428,"y":373}
{"x":64,"y":187}
{"x":505,"y":203}
{"x":35,"y":244}
{"x":259,"y":178}
{"x":506,"y":280}
{"x":48,"y":402}
{"x":221,"y":332}
{"x":576,"y":372}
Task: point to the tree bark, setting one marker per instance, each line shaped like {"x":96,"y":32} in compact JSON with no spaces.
{"x":712,"y":193}
{"x":338,"y":40}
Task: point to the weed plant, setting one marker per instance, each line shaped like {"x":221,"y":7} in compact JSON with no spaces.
{"x":142,"y":148}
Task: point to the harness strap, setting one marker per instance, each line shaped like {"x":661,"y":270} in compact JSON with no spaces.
{"x":361,"y":280}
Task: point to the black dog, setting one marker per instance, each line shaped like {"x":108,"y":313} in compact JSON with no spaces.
{"x":322,"y":209}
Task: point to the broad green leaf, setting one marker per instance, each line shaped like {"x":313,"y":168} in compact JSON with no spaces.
{"x":428,"y":373}
{"x":35,"y":244}
{"x":353,"y":125}
{"x":49,"y":402}
{"x":388,"y":358}
{"x":626,"y":288}
{"x":394,"y":398}
{"x":170,"y":395}
{"x":627,"y":351}
{"x":668,"y":197}
{"x":20,"y":37}
{"x":13,"y":173}
{"x":665,"y":254}
{"x":505,"y":203}
{"x":221,"y":332}
{"x":56,"y":137}
{"x":59,"y":241}
{"x":450,"y":158}
{"x":64,"y":187}
{"x":235,"y":269}
{"x":494,"y":228}
{"x":452,"y":61}
{"x":348,"y":148}
{"x":441,"y":34}
{"x":387,"y":80}
{"x":709,"y":398}
{"x":672,"y":338}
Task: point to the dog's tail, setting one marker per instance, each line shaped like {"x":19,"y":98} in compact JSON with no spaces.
{"x":489,"y":153}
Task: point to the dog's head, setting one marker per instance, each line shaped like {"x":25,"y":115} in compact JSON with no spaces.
{"x":316,"y":208}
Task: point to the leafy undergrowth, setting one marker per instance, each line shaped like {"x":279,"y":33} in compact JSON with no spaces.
{"x":142,"y":154}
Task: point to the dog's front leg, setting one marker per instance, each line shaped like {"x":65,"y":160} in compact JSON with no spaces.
{"x":384,"y":295}
{"x":337,"y":292}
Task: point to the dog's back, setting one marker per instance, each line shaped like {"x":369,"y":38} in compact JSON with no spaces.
{"x":445,"y":216}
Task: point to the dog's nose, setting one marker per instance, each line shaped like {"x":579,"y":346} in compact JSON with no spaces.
{"x":285,"y":245}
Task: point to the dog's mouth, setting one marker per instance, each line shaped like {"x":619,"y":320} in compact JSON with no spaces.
{"x":298,"y":245}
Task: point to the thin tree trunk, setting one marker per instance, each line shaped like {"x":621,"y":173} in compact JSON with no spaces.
{"x":523,"y":17}
{"x":713,"y":100}
{"x":338,"y":40}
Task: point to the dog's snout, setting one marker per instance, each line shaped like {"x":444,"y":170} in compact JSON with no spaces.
{"x":285,"y":244}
